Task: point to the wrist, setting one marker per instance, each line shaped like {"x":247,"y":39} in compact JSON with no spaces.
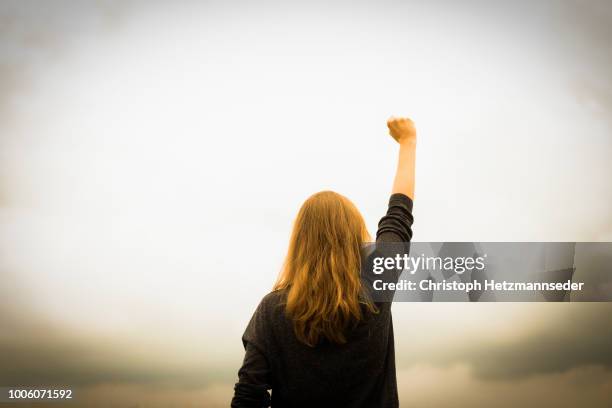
{"x":408,"y":142}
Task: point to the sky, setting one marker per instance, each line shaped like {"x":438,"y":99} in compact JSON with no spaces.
{"x":153,"y":156}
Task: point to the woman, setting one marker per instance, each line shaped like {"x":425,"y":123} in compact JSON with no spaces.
{"x":318,"y":340}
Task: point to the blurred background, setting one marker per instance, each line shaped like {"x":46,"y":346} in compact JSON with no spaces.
{"x":153,"y":155}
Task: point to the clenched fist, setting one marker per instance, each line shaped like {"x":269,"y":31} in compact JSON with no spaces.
{"x":402,"y":130}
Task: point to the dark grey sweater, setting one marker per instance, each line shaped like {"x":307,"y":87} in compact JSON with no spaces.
{"x":360,"y":373}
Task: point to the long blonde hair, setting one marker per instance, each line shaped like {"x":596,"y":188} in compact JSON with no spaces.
{"x":321,"y":272}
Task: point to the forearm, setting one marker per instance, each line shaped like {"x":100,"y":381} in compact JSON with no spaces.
{"x":405,"y":173}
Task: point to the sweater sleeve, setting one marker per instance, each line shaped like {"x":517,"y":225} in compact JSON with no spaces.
{"x":392,"y":239}
{"x":254,"y":377}
{"x":396,"y":225}
{"x":251,"y":390}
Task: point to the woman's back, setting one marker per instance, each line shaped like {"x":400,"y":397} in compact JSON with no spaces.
{"x":360,"y":373}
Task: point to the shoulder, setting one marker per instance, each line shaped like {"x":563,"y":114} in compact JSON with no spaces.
{"x":267,"y":322}
{"x":266,"y":314}
{"x":272,"y":306}
{"x":273,"y":299}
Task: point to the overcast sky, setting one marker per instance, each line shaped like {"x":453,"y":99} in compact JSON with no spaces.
{"x":153,"y":156}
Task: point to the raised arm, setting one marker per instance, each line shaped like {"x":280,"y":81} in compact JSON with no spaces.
{"x":396,"y":225}
{"x":404,"y":132}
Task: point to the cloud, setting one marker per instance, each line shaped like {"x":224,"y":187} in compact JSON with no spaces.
{"x":48,"y":355}
{"x":581,"y":337}
{"x":35,"y":35}
{"x":548,"y":339}
{"x":587,"y":38}
{"x":455,"y":386}
{"x":36,"y":351}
